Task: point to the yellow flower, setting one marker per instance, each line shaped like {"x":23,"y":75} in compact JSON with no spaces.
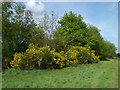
{"x":58,"y":59}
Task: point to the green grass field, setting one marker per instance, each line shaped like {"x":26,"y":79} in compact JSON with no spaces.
{"x":99,"y":75}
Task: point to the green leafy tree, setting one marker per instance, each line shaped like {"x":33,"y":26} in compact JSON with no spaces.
{"x":93,"y":36}
{"x":75,"y":32}
{"x":73,"y":29}
{"x":59,"y":42}
{"x":105,"y":49}
{"x":9,"y":32}
{"x":16,"y":24}
{"x":24,"y":19}
{"x":38,"y":38}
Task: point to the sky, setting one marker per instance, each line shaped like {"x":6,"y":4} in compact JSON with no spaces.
{"x":103,"y":15}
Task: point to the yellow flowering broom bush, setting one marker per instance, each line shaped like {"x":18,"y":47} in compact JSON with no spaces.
{"x":81,"y":54}
{"x":18,"y":61}
{"x":41,"y":58}
{"x":46,"y":58}
{"x":31,"y":58}
{"x":58,"y":60}
{"x":71,"y":56}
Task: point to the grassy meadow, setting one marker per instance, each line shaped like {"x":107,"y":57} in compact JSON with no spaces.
{"x":99,"y":75}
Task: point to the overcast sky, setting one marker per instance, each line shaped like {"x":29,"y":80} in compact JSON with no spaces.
{"x":103,"y":15}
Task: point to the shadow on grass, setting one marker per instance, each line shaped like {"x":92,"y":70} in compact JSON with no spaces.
{"x":108,"y":59}
{"x":105,"y":60}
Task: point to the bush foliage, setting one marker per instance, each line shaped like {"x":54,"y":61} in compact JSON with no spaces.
{"x":47,"y":58}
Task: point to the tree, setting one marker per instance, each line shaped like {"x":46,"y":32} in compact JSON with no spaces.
{"x":16,"y":24}
{"x":24,"y":19}
{"x":38,"y":37}
{"x":105,"y":49}
{"x":93,"y":36}
{"x":59,"y":42}
{"x":112,"y":50}
{"x":73,"y":29}
{"x":9,"y":32}
{"x":48,"y":24}
{"x":75,"y":32}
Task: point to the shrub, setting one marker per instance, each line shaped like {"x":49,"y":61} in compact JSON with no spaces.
{"x":6,"y":63}
{"x":31,"y":58}
{"x":81,"y":55}
{"x":59,"y":44}
{"x":41,"y":58}
{"x":58,"y":60}
{"x":45,"y":58}
{"x":71,"y":56}
{"x":18,"y":61}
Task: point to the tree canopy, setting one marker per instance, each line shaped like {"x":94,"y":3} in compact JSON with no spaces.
{"x":75,"y":32}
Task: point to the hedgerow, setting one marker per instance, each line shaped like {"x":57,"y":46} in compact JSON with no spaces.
{"x":47,"y":58}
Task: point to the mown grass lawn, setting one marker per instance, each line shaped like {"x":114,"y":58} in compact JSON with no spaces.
{"x":99,"y":75}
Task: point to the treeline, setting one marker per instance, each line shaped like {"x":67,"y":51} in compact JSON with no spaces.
{"x":19,"y":31}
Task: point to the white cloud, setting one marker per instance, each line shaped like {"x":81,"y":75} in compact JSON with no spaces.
{"x":37,"y":8}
